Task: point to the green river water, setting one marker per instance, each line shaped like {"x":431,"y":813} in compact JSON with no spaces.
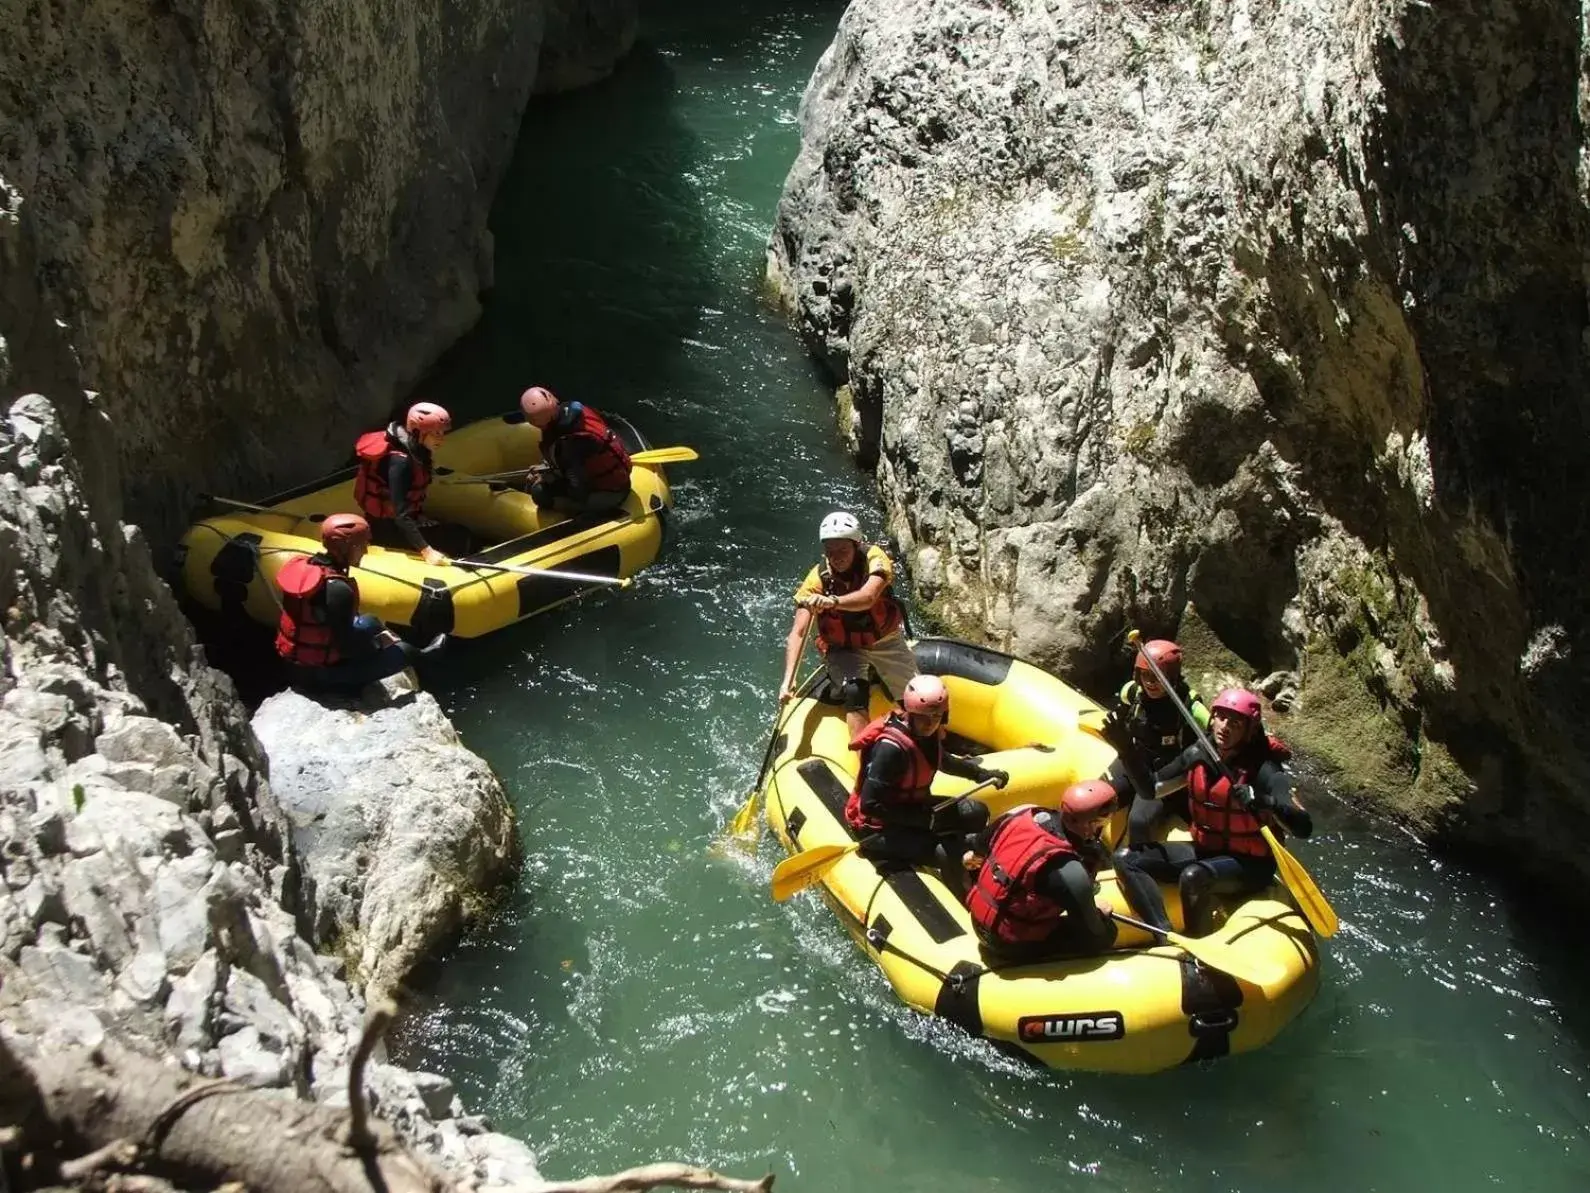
{"x":638,"y":997}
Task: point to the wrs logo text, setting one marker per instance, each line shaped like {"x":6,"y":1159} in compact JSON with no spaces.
{"x":1084,"y":1028}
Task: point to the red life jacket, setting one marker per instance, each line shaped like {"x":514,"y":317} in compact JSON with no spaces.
{"x":303,"y":637}
{"x":1218,"y":824}
{"x":915,"y":788}
{"x":370,"y":488}
{"x":842,"y":630}
{"x":1002,"y":901}
{"x":607,"y":468}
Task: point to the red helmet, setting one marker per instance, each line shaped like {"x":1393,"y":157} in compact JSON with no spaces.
{"x":1238,"y":700}
{"x":424,"y":417}
{"x":1166,"y":655}
{"x":342,"y":529}
{"x":1083,"y":801}
{"x":540,"y":405}
{"x":926,"y":694}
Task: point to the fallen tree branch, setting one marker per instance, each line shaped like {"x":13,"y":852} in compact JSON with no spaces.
{"x":375,"y":1025}
{"x":650,"y":1176}
{"x":89,"y":1103}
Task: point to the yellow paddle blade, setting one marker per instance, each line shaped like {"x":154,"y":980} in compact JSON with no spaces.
{"x":1316,"y":909}
{"x":743,"y":826}
{"x":665,"y":455}
{"x":1218,"y":955}
{"x":794,"y":874}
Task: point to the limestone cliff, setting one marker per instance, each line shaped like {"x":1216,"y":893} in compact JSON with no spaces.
{"x":1278,"y":310}
{"x":263,"y":221}
{"x":229,"y":233}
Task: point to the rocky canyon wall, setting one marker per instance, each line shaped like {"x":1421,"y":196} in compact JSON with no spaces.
{"x":263,"y":221}
{"x":230,"y":233}
{"x":1273,"y":312}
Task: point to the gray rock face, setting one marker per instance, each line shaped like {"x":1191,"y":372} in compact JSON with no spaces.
{"x":151,"y":891}
{"x":398,"y":825}
{"x":265,"y":221}
{"x":148,"y":889}
{"x":1277,"y":311}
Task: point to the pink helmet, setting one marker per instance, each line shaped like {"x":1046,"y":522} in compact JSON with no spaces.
{"x":926,"y":694}
{"x":1083,"y":801}
{"x":540,"y":405}
{"x":1238,"y":700}
{"x":424,"y":417}
{"x":344,"y":528}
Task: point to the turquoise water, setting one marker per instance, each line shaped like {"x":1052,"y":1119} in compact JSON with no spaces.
{"x":637,"y":996}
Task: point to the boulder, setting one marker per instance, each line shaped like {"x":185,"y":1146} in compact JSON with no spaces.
{"x":1147,"y":312}
{"x":402,"y":831}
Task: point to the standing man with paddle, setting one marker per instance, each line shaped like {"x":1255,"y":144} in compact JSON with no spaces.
{"x":585,"y":465}
{"x":901,"y":752}
{"x":1227,"y":796}
{"x":860,"y":623}
{"x":327,"y":644}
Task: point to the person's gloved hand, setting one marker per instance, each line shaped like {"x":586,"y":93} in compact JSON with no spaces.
{"x":1245,"y":797}
{"x":1117,"y":730}
{"x":999,"y":777}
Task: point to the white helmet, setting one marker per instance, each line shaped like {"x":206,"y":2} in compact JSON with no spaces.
{"x":840,"y":525}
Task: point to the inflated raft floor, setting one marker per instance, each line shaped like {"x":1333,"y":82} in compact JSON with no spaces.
{"x":1137,"y":1009}
{"x":229,"y":562}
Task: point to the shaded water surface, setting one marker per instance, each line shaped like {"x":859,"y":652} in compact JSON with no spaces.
{"x":637,"y":996}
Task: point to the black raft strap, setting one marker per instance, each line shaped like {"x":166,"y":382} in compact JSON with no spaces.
{"x":1210,"y":1000}
{"x":957,"y":1000}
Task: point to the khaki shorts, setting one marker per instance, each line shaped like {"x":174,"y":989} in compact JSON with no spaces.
{"x":890,"y":657}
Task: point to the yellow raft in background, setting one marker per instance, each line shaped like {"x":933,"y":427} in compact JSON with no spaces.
{"x":229,"y":562}
{"x":1136,"y":1009}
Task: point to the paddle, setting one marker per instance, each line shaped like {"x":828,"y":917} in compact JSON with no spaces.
{"x":743,"y":826}
{"x":549,"y":573}
{"x":252,"y":508}
{"x":1213,"y":953}
{"x":1311,"y":901}
{"x":799,"y":871}
{"x":650,"y":458}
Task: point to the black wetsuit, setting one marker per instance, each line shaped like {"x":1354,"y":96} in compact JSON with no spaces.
{"x":915,"y":834}
{"x":566,"y":488}
{"x":406,"y":531}
{"x":1160,"y":733}
{"x":360,"y":660}
{"x":1066,"y":882}
{"x":1200,"y":873}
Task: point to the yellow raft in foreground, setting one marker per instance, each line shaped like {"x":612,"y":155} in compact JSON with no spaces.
{"x":1137,"y":1009}
{"x":224,"y":559}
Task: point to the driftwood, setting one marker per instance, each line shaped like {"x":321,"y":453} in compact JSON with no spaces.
{"x":113,"y":1119}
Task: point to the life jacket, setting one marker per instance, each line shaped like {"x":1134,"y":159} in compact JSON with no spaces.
{"x":1157,"y":727}
{"x":1218,"y":824}
{"x":303,"y":637}
{"x":370,"y":488}
{"x":843,"y":630}
{"x":917,"y":786}
{"x":607,"y":469}
{"x":1002,"y":901}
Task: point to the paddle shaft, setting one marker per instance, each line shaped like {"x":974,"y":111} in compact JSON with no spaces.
{"x":1186,"y":713}
{"x":251,"y":507}
{"x":790,"y":877}
{"x":778,"y":720}
{"x":553,"y":573}
{"x":574,"y":577}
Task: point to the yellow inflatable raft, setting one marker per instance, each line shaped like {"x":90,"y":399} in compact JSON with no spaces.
{"x":1136,"y":1009}
{"x":229,"y":563}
